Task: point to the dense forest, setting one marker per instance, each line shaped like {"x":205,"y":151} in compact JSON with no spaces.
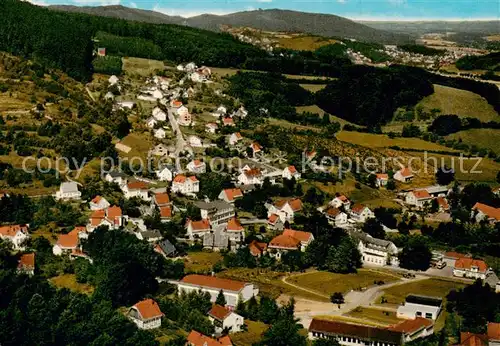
{"x":483,"y":62}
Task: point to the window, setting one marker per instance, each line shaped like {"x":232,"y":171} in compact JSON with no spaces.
{"x":428,"y":315}
{"x":419,"y":313}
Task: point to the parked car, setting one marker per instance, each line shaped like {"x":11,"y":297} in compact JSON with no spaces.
{"x":441,"y":265}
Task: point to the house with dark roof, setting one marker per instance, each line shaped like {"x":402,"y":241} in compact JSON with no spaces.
{"x":146,"y":314}
{"x":224,"y":319}
{"x":348,"y":334}
{"x":217,"y":212}
{"x":216,"y":240}
{"x":420,"y":306}
{"x":375,"y":251}
{"x":166,"y":248}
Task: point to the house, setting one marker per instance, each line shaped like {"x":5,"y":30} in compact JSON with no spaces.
{"x":196,"y":166}
{"x":111,"y":217}
{"x":437,"y":190}
{"x":197,"y":339}
{"x":136,"y":189}
{"x":450,"y":257}
{"x":146,"y":314}
{"x":197,"y":228}
{"x":151,"y":122}
{"x":274,"y":222}
{"x":443,"y":204}
{"x":113,"y":80}
{"x":211,"y":127}
{"x":420,"y":306}
{"x":336,"y":217}
{"x":175,"y":103}
{"x":195,"y":141}
{"x":341,"y":201}
{"x":404,"y":175}
{"x":418,"y":198}
{"x":348,"y":334}
{"x":66,"y":243}
{"x":161,"y":199}
{"x":68,"y":191}
{"x":257,"y":249}
{"x":26,"y":264}
{"x":98,"y":203}
{"x":228,"y":122}
{"x":375,"y":251}
{"x":185,"y":185}
{"x":219,"y":112}
{"x":151,"y":236}
{"x":116,"y":177}
{"x":166,"y":173}
{"x":361,"y":213}
{"x":282,"y":244}
{"x":381,"y":179}
{"x":256,"y":148}
{"x":159,"y":114}
{"x":241,"y":113}
{"x":160,"y":133}
{"x":15,"y":234}
{"x":472,"y":339}
{"x":291,"y":172}
{"x":285,"y":209}
{"x":109,"y":96}
{"x":230,"y":195}
{"x":251,"y":176}
{"x":216,"y":240}
{"x":493,"y":332}
{"x":184,"y":117}
{"x":470,"y":268}
{"x":235,"y":230}
{"x":485,"y":212}
{"x":166,"y":249}
{"x":234,"y":138}
{"x":162,"y":150}
{"x":305,"y":237}
{"x":233,"y":290}
{"x":166,"y":213}
{"x":217,"y":212}
{"x":413,"y":329}
{"x":224,"y":319}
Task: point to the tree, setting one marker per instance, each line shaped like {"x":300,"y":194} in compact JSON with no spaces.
{"x":374,"y":228}
{"x":337,"y":298}
{"x":221,"y":299}
{"x":447,"y":124}
{"x":416,"y":254}
{"x":345,"y":258}
{"x":268,"y":311}
{"x":391,"y":184}
{"x":445,"y":175}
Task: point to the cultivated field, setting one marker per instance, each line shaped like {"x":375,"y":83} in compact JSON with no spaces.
{"x":460,"y":102}
{"x":69,"y":281}
{"x":482,"y":138}
{"x":140,"y":143}
{"x":201,"y":261}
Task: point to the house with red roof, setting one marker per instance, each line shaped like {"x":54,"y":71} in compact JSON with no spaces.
{"x":136,"y":188}
{"x":197,"y":229}
{"x":228,"y":121}
{"x":26,"y":264}
{"x":404,"y":175}
{"x":66,"y":243}
{"x":381,"y":179}
{"x":161,"y":199}
{"x":233,"y":290}
{"x":230,"y":195}
{"x":341,"y":201}
{"x":274,"y":222}
{"x":285,"y":208}
{"x":413,"y":329}
{"x":211,"y":127}
{"x":470,"y":268}
{"x":15,"y":234}
{"x":166,"y":213}
{"x":336,"y":217}
{"x":493,"y":332}
{"x":257,"y":249}
{"x":291,"y":172}
{"x":256,"y":148}
{"x":305,"y":237}
{"x":443,"y":204}
{"x":98,"y":203}
{"x":282,"y":244}
{"x":473,"y":339}
{"x":482,"y":212}
{"x":198,"y":339}
{"x":251,"y":176}
{"x":146,"y":314}
{"x":224,"y":319}
{"x":111,"y":217}
{"x":235,"y":230}
{"x":361,"y":213}
{"x":185,"y":185}
{"x":234,"y":138}
{"x":418,"y":198}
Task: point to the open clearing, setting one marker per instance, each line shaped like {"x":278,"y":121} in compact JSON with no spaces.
{"x":69,"y":281}
{"x":313,"y":87}
{"x":143,"y":67}
{"x":374,"y":315}
{"x":251,"y":336}
{"x":201,"y":261}
{"x":460,"y":102}
{"x":316,"y":109}
{"x":372,"y":140}
{"x":140,"y":143}
{"x":8,"y":103}
{"x":328,"y":283}
{"x":482,"y":138}
{"x":429,"y":287}
{"x":304,"y":42}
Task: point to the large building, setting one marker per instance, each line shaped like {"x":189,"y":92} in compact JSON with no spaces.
{"x":420,"y":306}
{"x":354,"y":335}
{"x":375,"y":251}
{"x":470,"y":268}
{"x":217,"y":212}
{"x":232,"y":290}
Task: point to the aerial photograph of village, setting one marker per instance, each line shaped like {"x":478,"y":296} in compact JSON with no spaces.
{"x":250,"y":173}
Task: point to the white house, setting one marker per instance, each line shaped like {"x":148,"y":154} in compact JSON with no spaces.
{"x":195,"y":141}
{"x":291,"y":172}
{"x":341,"y":201}
{"x":233,"y":290}
{"x":151,"y":122}
{"x":285,"y":209}
{"x":470,"y":268}
{"x":211,"y":127}
{"x":404,"y":175}
{"x":159,"y":114}
{"x":197,"y":229}
{"x":221,"y":111}
{"x":146,"y":314}
{"x":251,"y":176}
{"x":196,"y":166}
{"x":185,"y":185}
{"x":336,"y":217}
{"x":282,"y":244}
{"x":98,"y":203}
{"x":218,"y":212}
{"x":68,"y":191}
{"x":113,"y":80}
{"x":256,"y":148}
{"x":418,"y":198}
{"x":116,"y":177}
{"x":481,"y":211}
{"x":230,"y":195}
{"x":240,"y":113}
{"x":361,"y":213}
{"x":160,"y":133}
{"x":182,"y":110}
{"x":234,"y":138}
{"x":166,"y":173}
{"x":420,"y":306}
{"x":375,"y":251}
{"x":235,"y":231}
{"x":224,"y":319}
{"x":136,"y":189}
{"x":111,"y":217}
{"x":15,"y":234}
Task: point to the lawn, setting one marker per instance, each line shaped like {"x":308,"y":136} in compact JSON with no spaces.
{"x":143,"y":67}
{"x":374,"y":315}
{"x":69,"y":281}
{"x":140,"y":144}
{"x":482,"y":138}
{"x":429,"y":287}
{"x":461,"y":102}
{"x":326,"y":283}
{"x":201,"y":261}
{"x":251,"y":336}
{"x":348,"y":319}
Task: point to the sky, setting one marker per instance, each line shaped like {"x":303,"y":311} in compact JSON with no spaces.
{"x":401,"y":10}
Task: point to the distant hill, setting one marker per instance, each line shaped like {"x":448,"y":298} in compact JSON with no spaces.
{"x":424,"y":27}
{"x":270,"y":20}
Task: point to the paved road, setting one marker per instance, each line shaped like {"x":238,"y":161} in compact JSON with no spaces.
{"x":181,"y":143}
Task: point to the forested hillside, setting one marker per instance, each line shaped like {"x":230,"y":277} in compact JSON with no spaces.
{"x":483,"y":62}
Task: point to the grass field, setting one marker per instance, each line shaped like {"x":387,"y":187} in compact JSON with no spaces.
{"x":327,"y":283}
{"x":69,"y":281}
{"x":8,"y":103}
{"x":251,"y":336}
{"x":350,"y":320}
{"x":374,"y":315}
{"x":429,"y":287}
{"x":140,"y":144}
{"x":482,"y":138}
{"x":316,"y":109}
{"x":304,"y":42}
{"x":313,"y":87}
{"x":201,"y":261}
{"x":143,"y":67}
{"x":461,"y":102}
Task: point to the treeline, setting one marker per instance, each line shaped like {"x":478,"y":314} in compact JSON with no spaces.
{"x":483,"y":62}
{"x":108,"y":65}
{"x":419,"y":49}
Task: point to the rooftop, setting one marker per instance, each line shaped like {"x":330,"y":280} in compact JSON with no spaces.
{"x":148,"y":308}
{"x":284,"y":241}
